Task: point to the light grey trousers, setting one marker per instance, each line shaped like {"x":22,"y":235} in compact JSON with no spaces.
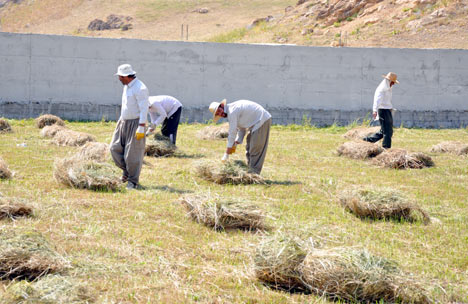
{"x":256,"y":147}
{"x":126,"y":150}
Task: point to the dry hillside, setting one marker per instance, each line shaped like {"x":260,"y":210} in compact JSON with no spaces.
{"x":356,"y":23}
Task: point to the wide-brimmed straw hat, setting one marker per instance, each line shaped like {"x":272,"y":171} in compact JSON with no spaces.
{"x":391,"y":76}
{"x":125,"y":70}
{"x":214,"y":107}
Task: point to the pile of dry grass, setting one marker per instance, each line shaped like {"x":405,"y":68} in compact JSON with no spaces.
{"x":94,"y":151}
{"x":27,"y":255}
{"x":361,"y":132}
{"x":86,"y":174}
{"x":159,"y":146}
{"x":359,"y":149}
{"x":49,"y":289}
{"x":4,"y":126}
{"x":68,"y":137}
{"x":230,"y":172}
{"x":454,"y":147}
{"x":380,"y":204}
{"x":48,"y":120}
{"x":214,"y":132}
{"x":224,"y":214}
{"x":50,"y":131}
{"x":13,"y":208}
{"x":5,"y":173}
{"x":402,"y":159}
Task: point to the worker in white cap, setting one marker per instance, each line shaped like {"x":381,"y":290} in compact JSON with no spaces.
{"x":128,"y":142}
{"x":165,"y":110}
{"x":382,"y":110}
{"x":243,"y":116}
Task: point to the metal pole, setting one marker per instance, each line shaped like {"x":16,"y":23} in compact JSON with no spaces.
{"x":186,"y":32}
{"x":182,"y":32}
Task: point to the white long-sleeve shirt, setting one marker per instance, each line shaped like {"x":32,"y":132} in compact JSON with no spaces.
{"x":135,"y":101}
{"x":161,"y":107}
{"x":244,"y":115}
{"x":383,"y":96}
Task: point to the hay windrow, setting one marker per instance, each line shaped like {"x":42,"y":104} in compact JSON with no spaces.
{"x":5,"y":173}
{"x":359,"y":149}
{"x":402,"y":159}
{"x":48,"y":120}
{"x":13,"y":208}
{"x":49,"y":289}
{"x":224,"y":214}
{"x":382,"y":204}
{"x":96,"y":151}
{"x":5,"y":126}
{"x":230,"y":172}
{"x":159,"y":146}
{"x":68,"y":137}
{"x":50,"y":131}
{"x":453,"y":147}
{"x":86,"y":174}
{"x":27,"y":255}
{"x":361,"y":132}
{"x":214,"y":132}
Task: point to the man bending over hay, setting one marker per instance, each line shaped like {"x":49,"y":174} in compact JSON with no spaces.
{"x":166,"y":110}
{"x":243,"y":116}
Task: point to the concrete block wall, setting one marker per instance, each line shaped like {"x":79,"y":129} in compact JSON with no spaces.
{"x":73,"y":77}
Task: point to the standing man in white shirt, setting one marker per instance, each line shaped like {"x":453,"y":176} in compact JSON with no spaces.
{"x":166,"y":110}
{"x":383,"y":108}
{"x":243,"y":116}
{"x":128,"y":142}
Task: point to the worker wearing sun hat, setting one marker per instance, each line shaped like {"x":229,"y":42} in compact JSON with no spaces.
{"x":382,"y":109}
{"x":243,"y":116}
{"x":128,"y":142}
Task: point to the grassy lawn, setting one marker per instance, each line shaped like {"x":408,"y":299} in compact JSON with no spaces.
{"x":140,"y":247}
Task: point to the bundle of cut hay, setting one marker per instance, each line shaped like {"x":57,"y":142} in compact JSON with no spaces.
{"x":68,"y":137}
{"x":357,"y":276}
{"x":214,"y":132}
{"x":48,"y":120}
{"x":223,"y":215}
{"x":382,"y":204}
{"x":230,"y":172}
{"x":86,"y":174}
{"x":159,"y":145}
{"x":13,"y":208}
{"x":402,"y":159}
{"x":97,"y":151}
{"x":5,"y":173}
{"x":360,"y":133}
{"x":50,"y":131}
{"x":454,"y":147}
{"x":49,"y":289}
{"x":4,"y":126}
{"x":277,"y":260}
{"x":359,"y":149}
{"x":27,"y":255}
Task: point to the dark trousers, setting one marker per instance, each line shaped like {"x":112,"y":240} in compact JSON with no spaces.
{"x":386,"y":129}
{"x":170,"y":125}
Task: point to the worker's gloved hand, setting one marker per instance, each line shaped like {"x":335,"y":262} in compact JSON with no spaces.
{"x":150,"y":131}
{"x":225,"y":157}
{"x":140,"y":133}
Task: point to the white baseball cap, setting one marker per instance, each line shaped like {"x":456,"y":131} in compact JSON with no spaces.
{"x":125,"y":70}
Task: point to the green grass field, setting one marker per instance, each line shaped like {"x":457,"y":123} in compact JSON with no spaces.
{"x":140,"y":247}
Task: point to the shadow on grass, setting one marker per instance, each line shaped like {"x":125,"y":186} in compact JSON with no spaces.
{"x":283,"y":183}
{"x":168,"y":189}
{"x":185,"y":155}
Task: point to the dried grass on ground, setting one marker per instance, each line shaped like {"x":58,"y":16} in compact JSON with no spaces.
{"x":359,"y":149}
{"x":27,"y":255}
{"x":159,"y":146}
{"x":360,"y":133}
{"x":48,"y":120}
{"x":49,"y":289}
{"x":382,"y":204}
{"x":454,"y":147}
{"x":230,"y":172}
{"x":5,"y":173}
{"x":86,"y":174}
{"x":214,"y":132}
{"x":96,"y":151}
{"x":50,"y":131}
{"x":13,"y":208}
{"x":68,"y":137}
{"x":402,"y":159}
{"x":4,"y":126}
{"x":224,"y":214}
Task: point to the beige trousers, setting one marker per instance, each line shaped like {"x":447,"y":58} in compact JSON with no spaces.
{"x":256,"y":147}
